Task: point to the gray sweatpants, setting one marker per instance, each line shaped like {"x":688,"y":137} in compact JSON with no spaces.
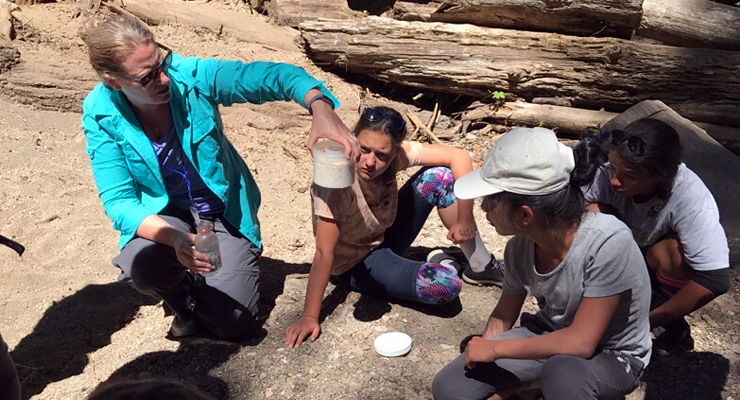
{"x":10,"y":388}
{"x":225,"y":304}
{"x":603,"y":376}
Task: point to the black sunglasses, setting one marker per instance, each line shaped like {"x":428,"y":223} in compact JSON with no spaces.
{"x":634,"y":143}
{"x":394,"y":122}
{"x":147,"y":79}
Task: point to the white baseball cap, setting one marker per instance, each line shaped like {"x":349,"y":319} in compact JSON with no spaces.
{"x":529,"y":161}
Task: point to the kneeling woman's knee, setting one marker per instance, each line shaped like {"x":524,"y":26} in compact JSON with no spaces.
{"x":436,"y":283}
{"x":436,"y":185}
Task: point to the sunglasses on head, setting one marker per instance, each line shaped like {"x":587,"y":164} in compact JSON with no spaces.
{"x":147,"y":79}
{"x":634,"y":143}
{"x":393,"y":121}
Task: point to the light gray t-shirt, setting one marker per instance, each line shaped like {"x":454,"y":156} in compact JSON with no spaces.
{"x":603,"y":260}
{"x":690,"y":211}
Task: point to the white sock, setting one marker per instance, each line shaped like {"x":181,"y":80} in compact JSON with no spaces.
{"x":476,"y":253}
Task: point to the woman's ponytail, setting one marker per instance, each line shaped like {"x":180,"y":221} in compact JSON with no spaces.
{"x":587,"y":155}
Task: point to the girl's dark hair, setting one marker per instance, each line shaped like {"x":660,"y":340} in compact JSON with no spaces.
{"x":382,"y":125}
{"x":147,"y":389}
{"x":652,"y":147}
{"x":565,"y":207}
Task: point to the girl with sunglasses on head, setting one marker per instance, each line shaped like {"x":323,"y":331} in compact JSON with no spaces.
{"x":674,"y":219}
{"x":590,"y":339}
{"x":362,"y":230}
{"x":162,"y":162}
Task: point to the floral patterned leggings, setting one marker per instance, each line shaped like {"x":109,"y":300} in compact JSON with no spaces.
{"x":384,"y":272}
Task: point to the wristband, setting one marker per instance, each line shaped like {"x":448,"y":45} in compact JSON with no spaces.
{"x":319,"y":96}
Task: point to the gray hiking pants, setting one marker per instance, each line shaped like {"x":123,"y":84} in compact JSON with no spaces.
{"x":605,"y":375}
{"x":225,"y":304}
{"x":10,"y":388}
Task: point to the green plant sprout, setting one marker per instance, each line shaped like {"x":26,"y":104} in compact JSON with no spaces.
{"x":498,"y":96}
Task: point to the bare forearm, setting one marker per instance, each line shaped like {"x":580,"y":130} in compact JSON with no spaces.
{"x":158,"y":230}
{"x":542,"y":346}
{"x":495,"y":326}
{"x":317,"y":281}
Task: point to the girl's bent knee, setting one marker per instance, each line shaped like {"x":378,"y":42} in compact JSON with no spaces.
{"x":436,"y":186}
{"x":563,"y":374}
{"x":436,"y":283}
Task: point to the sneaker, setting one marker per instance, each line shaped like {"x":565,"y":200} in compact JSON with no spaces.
{"x":439,"y":256}
{"x":674,"y":337}
{"x":492,"y":274}
{"x":181,"y":328}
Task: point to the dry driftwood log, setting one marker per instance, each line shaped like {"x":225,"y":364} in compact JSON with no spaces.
{"x":6,"y":19}
{"x":570,"y":121}
{"x":9,"y":56}
{"x":715,"y":165}
{"x":701,"y":84}
{"x":617,"y":18}
{"x":293,"y":12}
{"x":225,"y":22}
{"x":691,"y":23}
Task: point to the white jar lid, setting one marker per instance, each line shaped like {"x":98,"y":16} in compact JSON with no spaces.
{"x":392,"y":344}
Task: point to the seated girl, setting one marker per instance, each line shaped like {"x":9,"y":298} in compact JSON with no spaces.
{"x":590,"y":338}
{"x":673,"y":218}
{"x":362,"y":231}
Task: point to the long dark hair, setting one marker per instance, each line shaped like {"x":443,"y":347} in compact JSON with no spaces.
{"x":565,"y":207}
{"x":651,"y":147}
{"x":382,"y":125}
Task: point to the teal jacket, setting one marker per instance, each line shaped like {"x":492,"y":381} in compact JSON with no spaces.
{"x":125,"y":166}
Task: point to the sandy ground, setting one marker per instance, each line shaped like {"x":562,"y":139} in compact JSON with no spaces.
{"x":71,"y":326}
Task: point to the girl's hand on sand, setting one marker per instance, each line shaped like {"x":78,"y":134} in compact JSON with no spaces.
{"x":296,"y":333}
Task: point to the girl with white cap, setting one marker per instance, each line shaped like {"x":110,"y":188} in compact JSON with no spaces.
{"x":590,"y":338}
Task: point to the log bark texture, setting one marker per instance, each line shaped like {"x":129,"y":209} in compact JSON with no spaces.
{"x":572,"y":121}
{"x":609,"y":73}
{"x":716,"y":166}
{"x":224,"y":22}
{"x":44,"y":84}
{"x":9,"y":56}
{"x":617,"y":18}
{"x":691,"y":23}
{"x":293,"y":12}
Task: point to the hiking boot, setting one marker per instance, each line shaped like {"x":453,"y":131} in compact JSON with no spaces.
{"x":439,"y":256}
{"x":181,"y":328}
{"x":674,"y":337}
{"x":492,"y":274}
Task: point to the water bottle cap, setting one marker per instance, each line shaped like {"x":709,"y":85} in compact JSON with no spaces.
{"x":205,"y":226}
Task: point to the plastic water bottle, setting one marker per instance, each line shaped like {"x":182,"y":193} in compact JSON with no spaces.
{"x":206,"y":242}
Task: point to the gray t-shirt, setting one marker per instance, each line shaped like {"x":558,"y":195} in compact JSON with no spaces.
{"x":690,"y":211}
{"x":603,"y":260}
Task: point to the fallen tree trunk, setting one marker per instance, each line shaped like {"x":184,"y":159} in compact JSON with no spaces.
{"x":691,"y":23}
{"x":223,"y":22}
{"x":9,"y":56}
{"x":293,"y":12}
{"x":617,"y":18}
{"x":614,"y":74}
{"x":716,"y":166}
{"x":571,"y":122}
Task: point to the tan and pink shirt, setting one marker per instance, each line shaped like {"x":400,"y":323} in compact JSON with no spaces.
{"x":364,"y":210}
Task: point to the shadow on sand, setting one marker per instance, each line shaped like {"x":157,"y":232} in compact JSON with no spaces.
{"x":70,"y":329}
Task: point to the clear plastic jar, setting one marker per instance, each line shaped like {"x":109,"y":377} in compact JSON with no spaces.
{"x":330,"y":168}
